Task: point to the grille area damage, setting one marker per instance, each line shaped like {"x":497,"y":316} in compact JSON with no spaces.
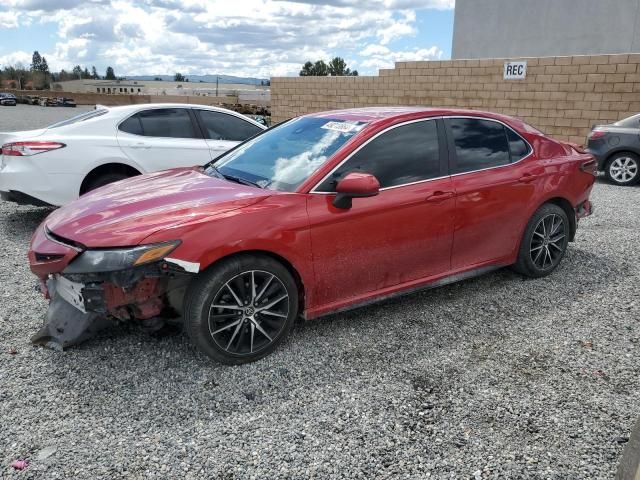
{"x":81,"y":305}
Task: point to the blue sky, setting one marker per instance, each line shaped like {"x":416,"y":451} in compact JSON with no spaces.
{"x":246,"y":37}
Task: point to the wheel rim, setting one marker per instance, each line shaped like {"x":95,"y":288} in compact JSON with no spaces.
{"x":248,"y":312}
{"x":548,"y":242}
{"x":623,"y":169}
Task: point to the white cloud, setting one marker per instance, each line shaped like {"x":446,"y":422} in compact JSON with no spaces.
{"x":379,"y":56}
{"x":249,"y":38}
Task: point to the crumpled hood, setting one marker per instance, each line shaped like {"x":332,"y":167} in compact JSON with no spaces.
{"x":125,"y":213}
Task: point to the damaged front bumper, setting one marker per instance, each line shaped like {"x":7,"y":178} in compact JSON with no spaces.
{"x":84,"y":302}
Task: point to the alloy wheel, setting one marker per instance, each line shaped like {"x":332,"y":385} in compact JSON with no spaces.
{"x":548,"y":242}
{"x":248,"y":312}
{"x":623,"y":169}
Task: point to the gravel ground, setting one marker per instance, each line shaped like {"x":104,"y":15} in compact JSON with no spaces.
{"x":495,"y":377}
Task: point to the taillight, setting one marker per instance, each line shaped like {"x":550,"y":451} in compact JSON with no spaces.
{"x":590,"y":166}
{"x":26,"y":149}
{"x":596,"y":134}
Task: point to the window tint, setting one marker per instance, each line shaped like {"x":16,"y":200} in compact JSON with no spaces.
{"x":163,"y":122}
{"x":479,"y":144}
{"x":405,"y":154}
{"x":221,"y":126}
{"x":517,"y":146}
{"x":131,"y":125}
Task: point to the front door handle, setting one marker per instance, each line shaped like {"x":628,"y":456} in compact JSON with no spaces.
{"x":439,"y":196}
{"x":140,"y":145}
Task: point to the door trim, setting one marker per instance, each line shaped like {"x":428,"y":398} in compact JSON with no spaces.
{"x":414,"y":286}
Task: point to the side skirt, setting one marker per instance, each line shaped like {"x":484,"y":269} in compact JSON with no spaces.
{"x":457,"y":277}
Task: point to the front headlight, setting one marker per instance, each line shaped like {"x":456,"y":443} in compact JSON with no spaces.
{"x":111,"y":260}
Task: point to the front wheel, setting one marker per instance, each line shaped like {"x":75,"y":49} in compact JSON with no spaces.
{"x":544,"y":242}
{"x":241,"y":309}
{"x":623,"y":169}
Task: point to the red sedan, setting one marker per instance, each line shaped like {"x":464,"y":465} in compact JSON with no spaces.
{"x":322,"y":213}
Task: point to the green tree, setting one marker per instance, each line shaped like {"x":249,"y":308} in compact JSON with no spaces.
{"x":157,"y":79}
{"x":338,"y":68}
{"x":77,"y":71}
{"x":94,"y":73}
{"x":320,"y":69}
{"x":178,"y":77}
{"x":44,"y":66}
{"x":307,"y":70}
{"x":110,"y":75}
{"x":85,"y":73}
{"x":36,"y":62}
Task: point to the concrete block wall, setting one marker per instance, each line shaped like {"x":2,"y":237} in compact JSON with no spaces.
{"x":561,"y":96}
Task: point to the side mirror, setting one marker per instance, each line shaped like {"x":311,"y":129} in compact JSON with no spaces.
{"x":355,"y":185}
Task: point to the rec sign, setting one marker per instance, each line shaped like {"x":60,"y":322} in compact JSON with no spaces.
{"x":515,"y":70}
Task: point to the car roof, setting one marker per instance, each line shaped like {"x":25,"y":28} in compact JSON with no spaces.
{"x":125,"y":110}
{"x":140,"y":106}
{"x":388,"y":115}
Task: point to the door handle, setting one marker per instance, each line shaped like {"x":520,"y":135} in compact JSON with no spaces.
{"x":140,"y":145}
{"x":527,"y":177}
{"x":439,"y":196}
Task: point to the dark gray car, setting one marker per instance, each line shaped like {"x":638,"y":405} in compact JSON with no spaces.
{"x":617,"y":148}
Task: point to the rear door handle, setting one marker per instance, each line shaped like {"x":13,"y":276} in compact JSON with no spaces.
{"x":439,"y":196}
{"x":140,"y":145}
{"x":527,"y":177}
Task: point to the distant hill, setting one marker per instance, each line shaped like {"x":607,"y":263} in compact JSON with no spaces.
{"x":204,"y":78}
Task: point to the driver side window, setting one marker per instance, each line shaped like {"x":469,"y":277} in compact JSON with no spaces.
{"x":405,"y":154}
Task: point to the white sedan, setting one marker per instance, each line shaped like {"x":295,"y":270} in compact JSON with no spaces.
{"x":55,"y":165}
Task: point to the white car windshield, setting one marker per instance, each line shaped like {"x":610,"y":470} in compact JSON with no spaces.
{"x":79,"y":118}
{"x":284,"y":157}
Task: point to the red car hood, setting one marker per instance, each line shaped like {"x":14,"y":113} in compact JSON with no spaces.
{"x":125,"y":213}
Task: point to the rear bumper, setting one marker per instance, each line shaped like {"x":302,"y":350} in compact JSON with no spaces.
{"x":22,"y":199}
{"x":600,"y":151}
{"x":585,"y":209}
{"x":23,"y":180}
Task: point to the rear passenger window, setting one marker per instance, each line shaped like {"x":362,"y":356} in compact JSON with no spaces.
{"x":131,"y":125}
{"x":222,"y":126}
{"x":160,"y":122}
{"x":517,"y":146}
{"x":479,"y":144}
{"x":405,"y":154}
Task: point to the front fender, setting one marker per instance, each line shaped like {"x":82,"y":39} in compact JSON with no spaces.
{"x":278,"y":225}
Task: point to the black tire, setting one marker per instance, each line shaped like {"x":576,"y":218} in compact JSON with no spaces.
{"x":547,"y":234}
{"x":623,"y":169}
{"x":238,"y":334}
{"x":103,"y":180}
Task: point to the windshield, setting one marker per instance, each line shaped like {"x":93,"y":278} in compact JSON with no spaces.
{"x":79,"y":118}
{"x":284,"y":157}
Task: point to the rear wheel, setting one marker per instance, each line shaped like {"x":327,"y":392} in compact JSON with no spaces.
{"x":544,"y":242}
{"x":623,"y":169}
{"x":105,"y":179}
{"x":240,"y":310}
